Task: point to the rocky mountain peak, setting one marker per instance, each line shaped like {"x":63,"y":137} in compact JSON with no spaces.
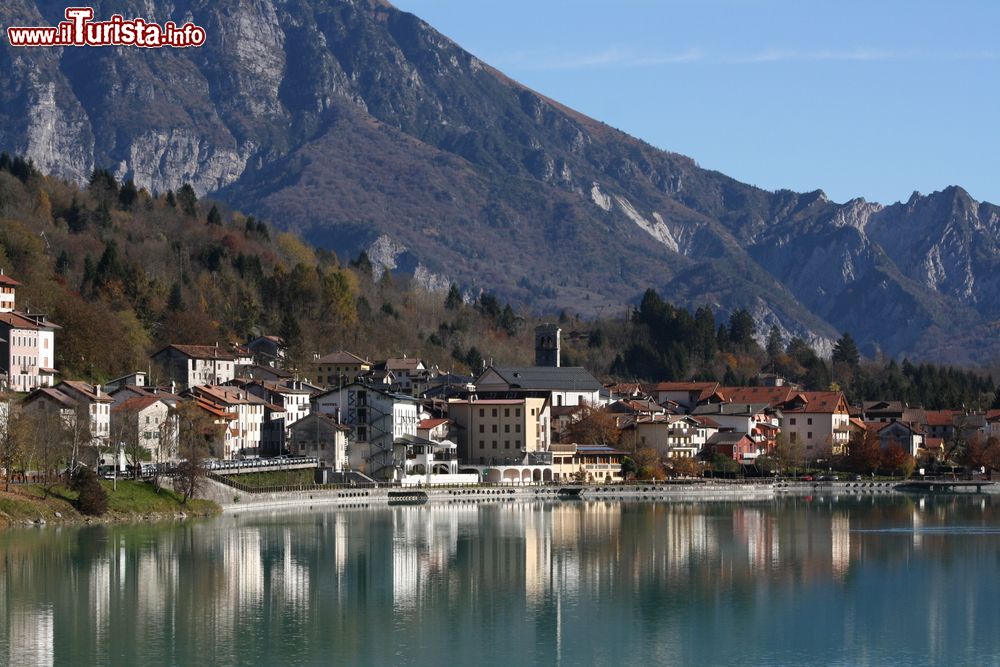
{"x":362,"y":127}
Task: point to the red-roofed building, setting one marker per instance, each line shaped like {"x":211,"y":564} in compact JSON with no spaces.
{"x":687,"y":395}
{"x":908,"y":436}
{"x":245,"y":432}
{"x":196,"y":365}
{"x":27,"y":343}
{"x":434,"y":429}
{"x":820,"y":420}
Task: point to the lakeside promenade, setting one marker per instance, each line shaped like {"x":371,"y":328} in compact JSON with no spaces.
{"x":234,"y":500}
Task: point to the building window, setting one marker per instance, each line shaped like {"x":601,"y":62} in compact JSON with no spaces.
{"x":792,"y":421}
{"x":494,"y":444}
{"x":809,"y":421}
{"x":506,"y":412}
{"x":494,"y":428}
{"x":517,"y":428}
{"x":506,"y":444}
{"x":809,"y":435}
{"x":482,"y":413}
{"x":482,"y":444}
{"x":506,"y":428}
{"x":517,"y":412}
{"x":482,"y":428}
{"x":494,"y":412}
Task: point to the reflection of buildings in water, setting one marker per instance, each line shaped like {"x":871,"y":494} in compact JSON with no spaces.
{"x":291,"y":578}
{"x":405,"y":571}
{"x":100,"y":598}
{"x":31,"y":637}
{"x":341,"y":544}
{"x":918,"y":524}
{"x":244,"y":567}
{"x":840,"y":545}
{"x":757,"y":531}
{"x":157,"y":574}
{"x":425,"y":541}
{"x":537,"y":554}
{"x":690,"y":539}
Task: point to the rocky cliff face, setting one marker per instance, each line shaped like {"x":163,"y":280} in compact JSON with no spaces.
{"x":362,"y":127}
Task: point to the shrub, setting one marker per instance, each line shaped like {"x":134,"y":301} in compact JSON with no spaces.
{"x":92,"y":499}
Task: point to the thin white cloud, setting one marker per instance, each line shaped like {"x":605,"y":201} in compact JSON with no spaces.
{"x":792,"y":55}
{"x":611,"y":56}
{"x":620,"y":58}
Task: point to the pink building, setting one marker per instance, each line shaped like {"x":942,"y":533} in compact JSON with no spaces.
{"x":27,"y":343}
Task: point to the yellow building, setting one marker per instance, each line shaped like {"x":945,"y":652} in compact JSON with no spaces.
{"x":586,"y":463}
{"x":339,"y":368}
{"x":500,"y":431}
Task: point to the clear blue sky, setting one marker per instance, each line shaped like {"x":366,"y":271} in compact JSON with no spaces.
{"x":873,"y":98}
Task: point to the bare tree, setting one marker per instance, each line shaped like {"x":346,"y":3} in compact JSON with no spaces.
{"x":198,"y":436}
{"x":49,"y":435}
{"x":127,"y":435}
{"x":77,"y":435}
{"x":13,"y":440}
{"x":788,"y":454}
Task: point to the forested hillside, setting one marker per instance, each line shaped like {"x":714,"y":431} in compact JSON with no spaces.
{"x":125,"y":272}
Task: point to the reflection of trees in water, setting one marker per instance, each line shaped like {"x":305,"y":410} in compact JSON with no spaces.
{"x":333,"y":583}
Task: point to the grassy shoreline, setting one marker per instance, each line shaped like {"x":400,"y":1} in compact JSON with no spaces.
{"x":28,"y":504}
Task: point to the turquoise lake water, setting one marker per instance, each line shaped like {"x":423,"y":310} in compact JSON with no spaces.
{"x":795,"y":581}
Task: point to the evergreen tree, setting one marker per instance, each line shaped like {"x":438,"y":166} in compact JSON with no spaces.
{"x":846,"y":351}
{"x":214,"y":218}
{"x":187,"y":200}
{"x":741,"y":329}
{"x":62,"y":263}
{"x":102,"y":216}
{"x":75,"y":216}
{"x":454,"y":299}
{"x":775,"y":345}
{"x":508,"y":321}
{"x":175,"y":302}
{"x":171,"y":200}
{"x":128,"y":195}
{"x":474,"y":359}
{"x":363,"y":264}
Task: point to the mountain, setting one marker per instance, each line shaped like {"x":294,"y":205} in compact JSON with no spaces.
{"x":362,"y":127}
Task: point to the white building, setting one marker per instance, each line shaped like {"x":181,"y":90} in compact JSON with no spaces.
{"x":673,"y":436}
{"x":376,"y":418}
{"x":321,"y":436}
{"x":196,"y":365}
{"x":148,"y":419}
{"x":566,"y":385}
{"x":247,"y":415}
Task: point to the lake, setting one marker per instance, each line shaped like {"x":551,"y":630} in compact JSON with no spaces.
{"x":831,"y":581}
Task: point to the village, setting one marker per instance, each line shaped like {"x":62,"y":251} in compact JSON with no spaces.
{"x":402,"y":422}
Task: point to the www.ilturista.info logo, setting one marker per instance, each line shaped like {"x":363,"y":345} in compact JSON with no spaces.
{"x":79,"y":29}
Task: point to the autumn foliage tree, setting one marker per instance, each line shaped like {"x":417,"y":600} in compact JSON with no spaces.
{"x":864,"y":453}
{"x":896,"y":459}
{"x":648,"y":464}
{"x":593,"y":426}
